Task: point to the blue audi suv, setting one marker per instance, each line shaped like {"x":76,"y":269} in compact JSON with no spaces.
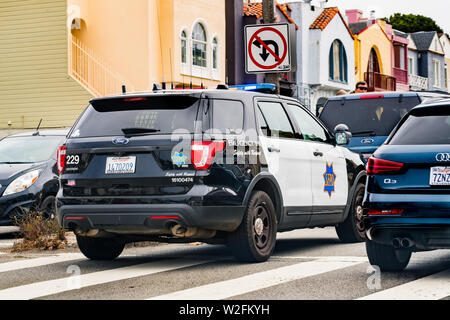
{"x":406,"y":206}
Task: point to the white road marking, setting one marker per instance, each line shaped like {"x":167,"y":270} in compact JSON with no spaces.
{"x":326,"y":258}
{"x":6,"y":244}
{"x":45,"y":288}
{"x":37,"y":262}
{"x":434,"y":287}
{"x":257,"y":281}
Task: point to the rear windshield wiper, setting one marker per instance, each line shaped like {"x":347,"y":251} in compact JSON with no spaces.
{"x":14,"y":162}
{"x":368,"y":133}
{"x":138,"y":131}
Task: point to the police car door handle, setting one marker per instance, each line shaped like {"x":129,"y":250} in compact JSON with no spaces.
{"x":273,"y":149}
{"x":318,"y":154}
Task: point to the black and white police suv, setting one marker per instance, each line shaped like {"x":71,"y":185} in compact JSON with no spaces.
{"x":217,"y":166}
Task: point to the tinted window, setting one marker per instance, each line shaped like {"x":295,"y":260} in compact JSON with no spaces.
{"x":310,"y":129}
{"x":274,"y":121}
{"x":366,"y":117}
{"x":29,"y":149}
{"x":425,"y":129}
{"x":227,"y":115}
{"x":160,"y":115}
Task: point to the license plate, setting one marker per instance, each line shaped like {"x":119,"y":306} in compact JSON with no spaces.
{"x":440,"y":176}
{"x":120,"y":165}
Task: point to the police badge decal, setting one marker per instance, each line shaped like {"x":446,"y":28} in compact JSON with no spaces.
{"x":329,"y":179}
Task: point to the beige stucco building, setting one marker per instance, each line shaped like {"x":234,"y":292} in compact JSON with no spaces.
{"x":143,"y":42}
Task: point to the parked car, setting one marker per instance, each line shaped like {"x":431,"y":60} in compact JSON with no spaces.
{"x":28,"y":174}
{"x":371,"y":116}
{"x":407,"y":202}
{"x":158,"y":166}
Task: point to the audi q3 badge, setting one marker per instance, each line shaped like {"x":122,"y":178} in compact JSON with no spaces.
{"x":120,"y":141}
{"x":443,"y":157}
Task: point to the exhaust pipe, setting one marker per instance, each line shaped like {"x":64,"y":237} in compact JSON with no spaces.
{"x":407,"y":243}
{"x":192,"y":232}
{"x":396,"y":242}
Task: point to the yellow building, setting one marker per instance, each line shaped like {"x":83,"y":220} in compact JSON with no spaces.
{"x":142,"y":42}
{"x":373,"y":51}
{"x":34,"y":82}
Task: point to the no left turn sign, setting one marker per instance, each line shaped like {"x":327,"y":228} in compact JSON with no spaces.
{"x":267,"y":48}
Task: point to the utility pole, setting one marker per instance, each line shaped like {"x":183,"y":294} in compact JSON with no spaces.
{"x":269,"y":17}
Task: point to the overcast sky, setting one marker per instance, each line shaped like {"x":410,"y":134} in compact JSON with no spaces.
{"x":439,"y":10}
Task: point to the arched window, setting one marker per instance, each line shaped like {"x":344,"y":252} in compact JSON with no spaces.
{"x":183,"y":47}
{"x":199,"y":42}
{"x":215,"y":53}
{"x":338,"y":62}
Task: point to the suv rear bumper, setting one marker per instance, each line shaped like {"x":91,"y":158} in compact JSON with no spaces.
{"x":421,"y":237}
{"x":154,"y":218}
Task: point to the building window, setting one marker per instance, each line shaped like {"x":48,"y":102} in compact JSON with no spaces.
{"x":411,"y":65}
{"x":215,"y":54}
{"x":399,"y":57}
{"x":437,"y":73}
{"x":183,"y":47}
{"x":446,"y":75}
{"x":338,"y":62}
{"x":199,"y":43}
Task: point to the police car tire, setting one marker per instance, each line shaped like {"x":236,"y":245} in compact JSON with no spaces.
{"x":100,"y":248}
{"x":245,"y":242}
{"x":347,"y":230}
{"x":387,"y":258}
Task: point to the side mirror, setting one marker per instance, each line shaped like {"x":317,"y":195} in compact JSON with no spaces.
{"x":342,"y":135}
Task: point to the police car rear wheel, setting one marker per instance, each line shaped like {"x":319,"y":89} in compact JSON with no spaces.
{"x":387,"y":258}
{"x":255,"y":238}
{"x":352,"y":229}
{"x":100,"y":248}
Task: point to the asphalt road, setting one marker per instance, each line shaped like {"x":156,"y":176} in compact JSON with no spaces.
{"x":306,"y":265}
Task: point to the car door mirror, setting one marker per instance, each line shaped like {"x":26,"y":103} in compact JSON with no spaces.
{"x":342,"y":135}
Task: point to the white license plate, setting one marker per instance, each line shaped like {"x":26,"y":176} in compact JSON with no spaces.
{"x":120,"y":165}
{"x":440,"y":176}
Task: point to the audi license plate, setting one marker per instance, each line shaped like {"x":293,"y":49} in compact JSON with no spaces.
{"x":120,"y":165}
{"x":440,"y":176}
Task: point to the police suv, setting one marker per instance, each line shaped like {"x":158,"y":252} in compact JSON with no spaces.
{"x":217,"y":166}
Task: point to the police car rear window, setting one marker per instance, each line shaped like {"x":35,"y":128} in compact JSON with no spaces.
{"x":140,"y":115}
{"x":367,"y":117}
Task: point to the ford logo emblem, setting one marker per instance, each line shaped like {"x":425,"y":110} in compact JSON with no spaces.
{"x":443,"y":157}
{"x":120,"y":141}
{"x":367,"y":141}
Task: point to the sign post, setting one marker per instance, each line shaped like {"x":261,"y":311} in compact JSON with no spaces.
{"x":267,"y":48}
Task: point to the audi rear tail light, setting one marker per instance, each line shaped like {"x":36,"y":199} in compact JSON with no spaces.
{"x":61,"y":158}
{"x":379,"y":166}
{"x":203,"y":153}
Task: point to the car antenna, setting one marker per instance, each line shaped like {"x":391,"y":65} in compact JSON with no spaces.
{"x":37,"y":129}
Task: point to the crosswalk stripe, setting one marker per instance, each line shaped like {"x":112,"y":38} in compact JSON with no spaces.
{"x":434,"y":287}
{"x":37,"y":262}
{"x":256,"y":281}
{"x":6,"y":244}
{"x":45,"y":288}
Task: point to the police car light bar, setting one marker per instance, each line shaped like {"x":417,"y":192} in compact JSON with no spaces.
{"x":258,"y":87}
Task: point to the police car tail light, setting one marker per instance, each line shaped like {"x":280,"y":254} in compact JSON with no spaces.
{"x":391,"y":212}
{"x":203,"y":153}
{"x":380,"y":166}
{"x":61,"y":156}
